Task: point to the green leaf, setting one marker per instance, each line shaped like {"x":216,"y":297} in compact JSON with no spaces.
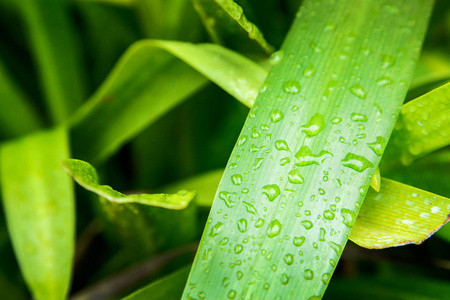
{"x":227,"y":24}
{"x":134,"y":102}
{"x":86,"y":176}
{"x":166,"y":288}
{"x":39,"y":207}
{"x":17,"y":116}
{"x":55,"y":51}
{"x":139,"y":221}
{"x":399,"y":215}
{"x":422,"y":126}
{"x":272,"y":221}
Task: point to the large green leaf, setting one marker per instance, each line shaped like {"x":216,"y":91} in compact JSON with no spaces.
{"x":39,"y":207}
{"x":134,"y":99}
{"x":312,"y":140}
{"x":56,"y":54}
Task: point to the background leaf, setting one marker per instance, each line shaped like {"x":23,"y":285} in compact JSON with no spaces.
{"x":39,"y":208}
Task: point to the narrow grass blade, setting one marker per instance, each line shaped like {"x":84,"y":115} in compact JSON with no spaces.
{"x":55,"y":51}
{"x":86,"y":176}
{"x":168,"y":288}
{"x":399,"y":215}
{"x":130,"y":99}
{"x":227,"y":25}
{"x":139,"y":222}
{"x":272,"y":230}
{"x":39,"y":208}
{"x":423,"y":126}
{"x":17,"y":116}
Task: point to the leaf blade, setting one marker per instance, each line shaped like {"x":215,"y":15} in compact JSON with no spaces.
{"x":39,"y":205}
{"x":251,"y":190}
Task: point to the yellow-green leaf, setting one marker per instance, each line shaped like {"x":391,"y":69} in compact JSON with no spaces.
{"x":399,"y":215}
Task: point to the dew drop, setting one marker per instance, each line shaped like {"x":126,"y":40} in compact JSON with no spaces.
{"x":307,"y":224}
{"x":259,"y":223}
{"x":314,"y":46}
{"x":322,"y":234}
{"x":306,"y":157}
{"x":284,"y":161}
{"x":308,"y":274}
{"x":356,"y":162}
{"x":336,"y":120}
{"x":309,"y":71}
{"x":298,"y":241}
{"x":294,"y":177}
{"x":358,"y":117}
{"x":358,"y":91}
{"x":215,"y":229}
{"x":349,"y":217}
{"x":258,"y":163}
{"x":337,"y":249}
{"x":274,"y":228}
{"x":284,"y":279}
{"x":227,"y":198}
{"x":239,"y":275}
{"x":242,"y":225}
{"x":328,"y":214}
{"x":291,"y":87}
{"x":250,"y":208}
{"x":225,"y":282}
{"x":231,"y":294}
{"x":281,"y":145}
{"x":272,"y":191}
{"x":236,"y":179}
{"x":276,"y":57}
{"x":378,"y":145}
{"x":276,"y":116}
{"x":387,"y":61}
{"x":314,"y":126}
{"x":288,"y":259}
{"x":238,"y":249}
{"x":384,"y":81}
{"x":241,"y":141}
{"x":326,"y":278}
